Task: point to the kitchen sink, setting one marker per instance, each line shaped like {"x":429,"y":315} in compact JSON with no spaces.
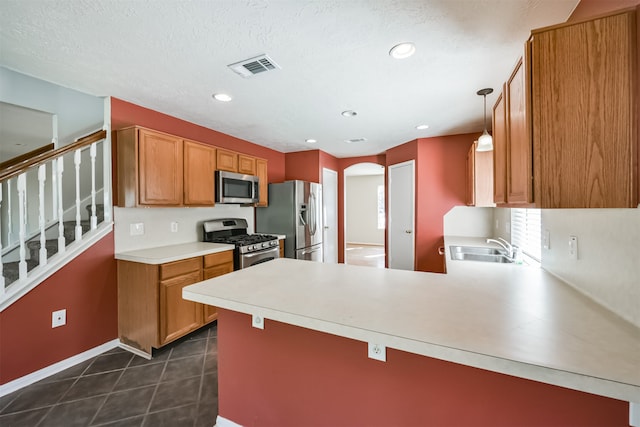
{"x":484,"y":254}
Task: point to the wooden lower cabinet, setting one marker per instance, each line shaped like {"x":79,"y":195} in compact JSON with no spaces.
{"x":281,"y":244}
{"x":151,"y":310}
{"x":216,"y":265}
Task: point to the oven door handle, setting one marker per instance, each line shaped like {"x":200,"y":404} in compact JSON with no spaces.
{"x":274,"y":249}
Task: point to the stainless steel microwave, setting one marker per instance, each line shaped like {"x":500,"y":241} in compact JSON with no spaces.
{"x":237,"y":188}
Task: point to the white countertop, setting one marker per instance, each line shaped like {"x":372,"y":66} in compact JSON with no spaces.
{"x":164,"y":254}
{"x":511,"y":319}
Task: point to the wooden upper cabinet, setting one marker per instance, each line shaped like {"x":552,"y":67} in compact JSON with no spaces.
{"x":519,"y":154}
{"x":584,"y":113}
{"x":500,"y":151}
{"x":226,"y":160}
{"x":479,"y":177}
{"x":160,"y":168}
{"x":246,"y":164}
{"x":199,"y":168}
{"x":471,"y":176}
{"x":262,"y":173}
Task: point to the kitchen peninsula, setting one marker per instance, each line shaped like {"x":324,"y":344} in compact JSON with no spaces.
{"x":482,"y":345}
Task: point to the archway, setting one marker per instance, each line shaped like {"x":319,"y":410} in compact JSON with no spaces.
{"x":364,"y":214}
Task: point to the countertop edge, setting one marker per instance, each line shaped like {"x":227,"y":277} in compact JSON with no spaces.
{"x":174,"y":253}
{"x":547,"y":375}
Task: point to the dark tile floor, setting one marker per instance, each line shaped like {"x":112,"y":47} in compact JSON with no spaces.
{"x":178,"y":387}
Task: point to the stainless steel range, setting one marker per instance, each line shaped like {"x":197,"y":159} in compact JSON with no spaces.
{"x":251,"y":249}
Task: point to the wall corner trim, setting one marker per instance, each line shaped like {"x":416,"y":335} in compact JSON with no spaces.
{"x":38,"y":375}
{"x":223,"y":422}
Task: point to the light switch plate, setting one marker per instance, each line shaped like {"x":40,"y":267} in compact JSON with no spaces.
{"x":546,"y":239}
{"x":573,"y":247}
{"x":136,"y":229}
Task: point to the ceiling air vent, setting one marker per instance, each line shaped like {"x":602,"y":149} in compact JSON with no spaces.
{"x":252,"y":66}
{"x":355,"y":140}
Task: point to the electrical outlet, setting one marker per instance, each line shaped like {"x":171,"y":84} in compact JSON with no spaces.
{"x":497,"y":224}
{"x":257,"y":321}
{"x":573,"y":247}
{"x":58,"y":318}
{"x":377,"y":352}
{"x":136,"y":229}
{"x":174,"y":227}
{"x":507,"y":227}
{"x":546,"y":239}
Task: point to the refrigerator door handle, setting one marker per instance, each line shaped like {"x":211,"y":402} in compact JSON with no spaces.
{"x":310,"y":251}
{"x":302,"y":219}
{"x":312,"y":204}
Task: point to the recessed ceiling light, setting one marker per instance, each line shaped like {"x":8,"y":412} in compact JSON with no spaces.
{"x":349,"y":113}
{"x":311,"y":141}
{"x":402,"y":50}
{"x":223,"y":97}
{"x":355,"y":140}
{"x":421,"y":127}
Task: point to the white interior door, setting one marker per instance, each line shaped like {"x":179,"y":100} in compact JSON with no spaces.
{"x":401,"y":194}
{"x":330,"y":214}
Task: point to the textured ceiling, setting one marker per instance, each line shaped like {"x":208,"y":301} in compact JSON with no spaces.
{"x":171,"y":56}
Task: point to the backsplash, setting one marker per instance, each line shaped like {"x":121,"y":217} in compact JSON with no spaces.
{"x":608,"y":264}
{"x":157,"y":224}
{"x":468,"y":221}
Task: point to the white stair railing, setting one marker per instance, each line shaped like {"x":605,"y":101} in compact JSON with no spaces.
{"x":30,"y":273}
{"x":1,"y":264}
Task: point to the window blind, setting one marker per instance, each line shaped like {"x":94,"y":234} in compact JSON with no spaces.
{"x":526,"y":231}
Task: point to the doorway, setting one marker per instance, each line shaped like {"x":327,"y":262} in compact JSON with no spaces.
{"x":364,"y":215}
{"x":401,"y":216}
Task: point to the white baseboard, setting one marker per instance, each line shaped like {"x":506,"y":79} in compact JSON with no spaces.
{"x":43,"y":373}
{"x":134,"y":350}
{"x":223,"y":422}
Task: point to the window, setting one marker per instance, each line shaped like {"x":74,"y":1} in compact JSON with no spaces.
{"x":381,"y":222}
{"x":526,"y":231}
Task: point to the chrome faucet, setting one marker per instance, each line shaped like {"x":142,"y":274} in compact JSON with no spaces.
{"x":504,"y":244}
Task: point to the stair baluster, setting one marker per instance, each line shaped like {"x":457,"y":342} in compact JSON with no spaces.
{"x":9,"y":240}
{"x":22,"y":210}
{"x":94,"y":218}
{"x":42,"y":177}
{"x":61,"y":240}
{"x":77,"y":160}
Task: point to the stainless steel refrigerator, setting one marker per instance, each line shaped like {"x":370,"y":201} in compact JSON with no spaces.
{"x":295,"y":210}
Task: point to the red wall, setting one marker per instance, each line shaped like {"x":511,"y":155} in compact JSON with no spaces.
{"x":86,"y":288}
{"x":440,"y":166}
{"x":290,"y":376}
{"x":303,"y":165}
{"x":124,"y":114}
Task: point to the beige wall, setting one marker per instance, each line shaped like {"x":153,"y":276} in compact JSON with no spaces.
{"x":608,"y":264}
{"x":361,"y":209}
{"x":157,"y":224}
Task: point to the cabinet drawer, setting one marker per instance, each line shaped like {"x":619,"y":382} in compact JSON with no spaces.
{"x":212,"y":260}
{"x":172,"y":269}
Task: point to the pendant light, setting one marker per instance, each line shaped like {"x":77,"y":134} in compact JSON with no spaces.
{"x":485,"y":142}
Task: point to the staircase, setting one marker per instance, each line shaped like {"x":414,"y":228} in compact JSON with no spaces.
{"x":39,"y":189}
{"x":11,"y":269}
